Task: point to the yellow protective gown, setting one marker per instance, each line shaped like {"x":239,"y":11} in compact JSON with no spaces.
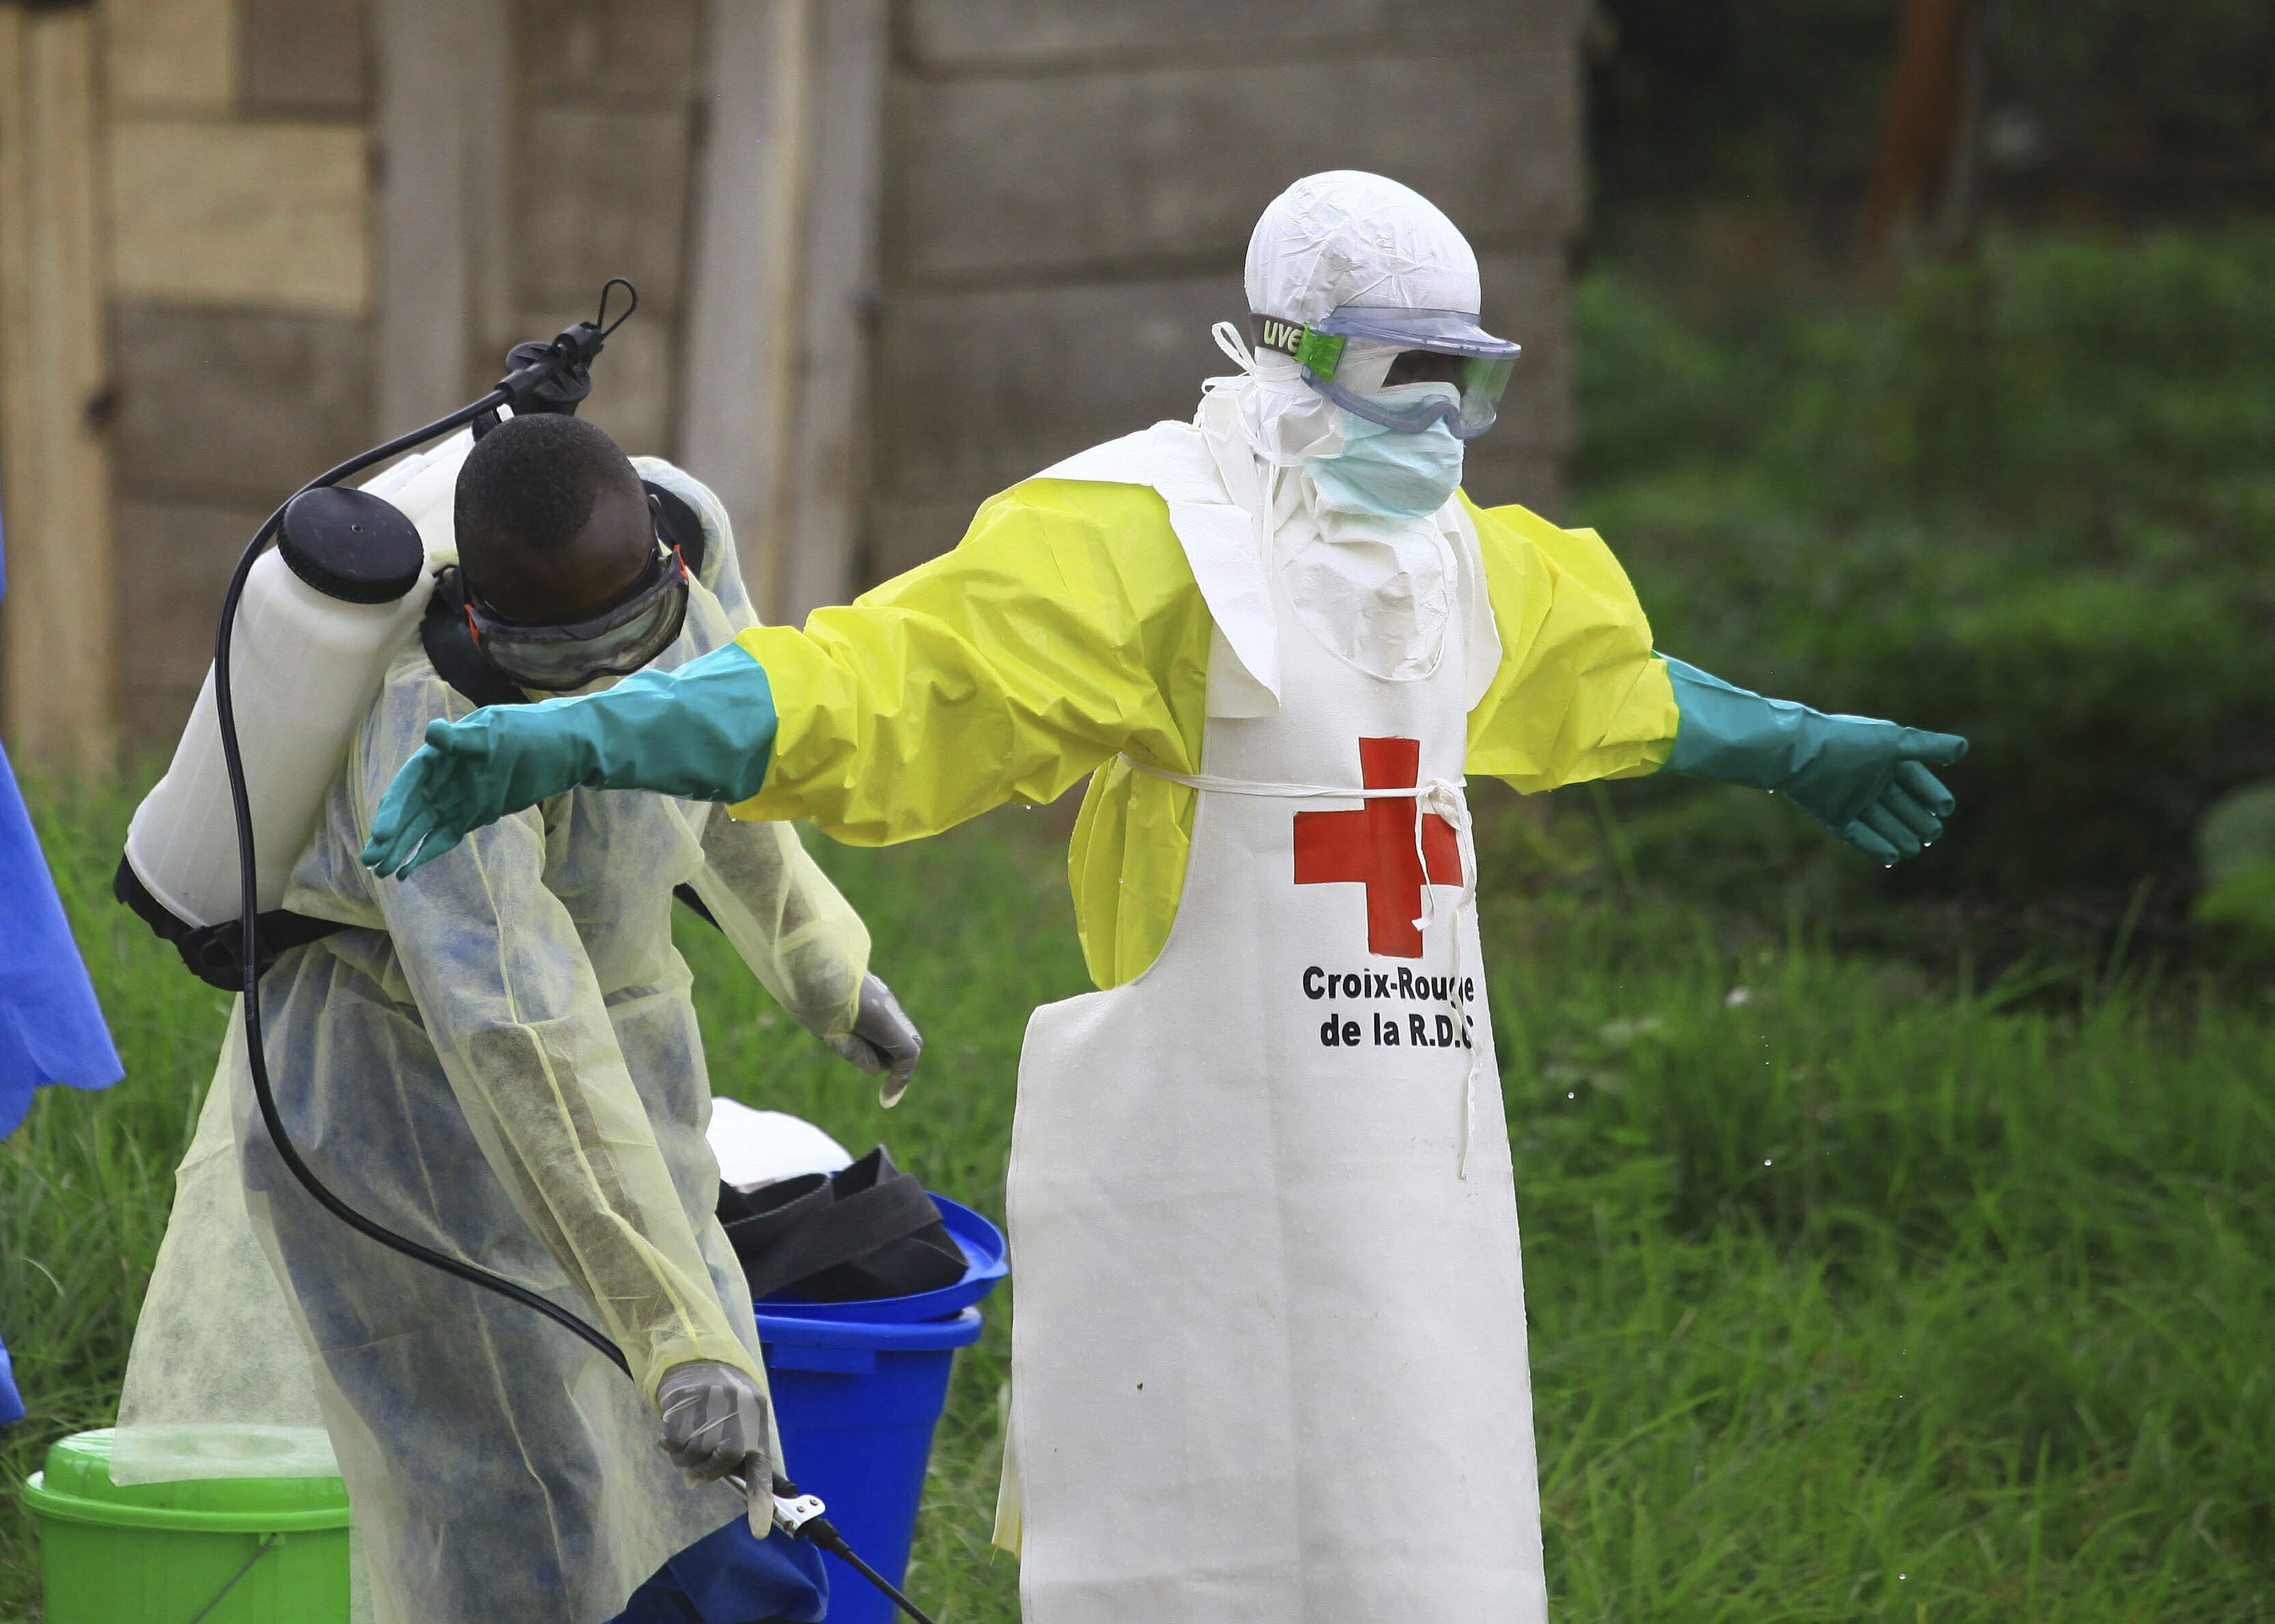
{"x":1066,"y":630}
{"x":498,"y":1059}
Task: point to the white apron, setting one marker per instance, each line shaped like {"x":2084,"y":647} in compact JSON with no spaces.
{"x":1268,"y":1355}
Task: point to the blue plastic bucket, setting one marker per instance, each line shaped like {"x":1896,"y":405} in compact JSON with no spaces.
{"x":857,"y":1404}
{"x":859,"y":1388}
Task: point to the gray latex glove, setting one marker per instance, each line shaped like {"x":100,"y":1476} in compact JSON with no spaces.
{"x":884,"y":1042}
{"x":714,"y":1423}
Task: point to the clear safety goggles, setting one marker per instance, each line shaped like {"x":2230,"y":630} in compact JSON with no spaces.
{"x":1437,"y":346}
{"x":615,"y":642}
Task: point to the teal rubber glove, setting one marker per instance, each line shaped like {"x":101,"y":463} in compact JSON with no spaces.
{"x":704,"y":732}
{"x":1866,"y":780}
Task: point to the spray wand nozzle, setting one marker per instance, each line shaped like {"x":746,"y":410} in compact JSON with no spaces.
{"x":557,"y":376}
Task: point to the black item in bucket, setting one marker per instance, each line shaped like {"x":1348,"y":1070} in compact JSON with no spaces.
{"x":867,"y":1231}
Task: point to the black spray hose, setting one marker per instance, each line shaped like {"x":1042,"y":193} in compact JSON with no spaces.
{"x":818,"y":1532}
{"x":813,"y":1528}
{"x":800,"y":1514}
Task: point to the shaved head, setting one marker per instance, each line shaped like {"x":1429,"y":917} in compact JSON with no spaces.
{"x":552,"y":523}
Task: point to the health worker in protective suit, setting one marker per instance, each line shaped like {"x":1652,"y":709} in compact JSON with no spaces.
{"x":500,"y":1060}
{"x":1269,"y":1355}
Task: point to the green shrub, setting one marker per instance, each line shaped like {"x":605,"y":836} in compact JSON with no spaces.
{"x":2236,"y":846}
{"x":2031,"y":500}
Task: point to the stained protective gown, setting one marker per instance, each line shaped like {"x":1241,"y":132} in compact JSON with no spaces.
{"x":498,"y":1058}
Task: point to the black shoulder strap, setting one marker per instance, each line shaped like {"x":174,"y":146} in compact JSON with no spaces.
{"x":681,"y":528}
{"x":449,"y":645}
{"x":215,"y":953}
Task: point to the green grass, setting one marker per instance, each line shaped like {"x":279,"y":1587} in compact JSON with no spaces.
{"x":1857,"y":1293}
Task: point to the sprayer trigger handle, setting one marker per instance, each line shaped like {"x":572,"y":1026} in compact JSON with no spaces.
{"x":793,"y":1513}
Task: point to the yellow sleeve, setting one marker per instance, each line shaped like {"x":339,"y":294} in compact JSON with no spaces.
{"x":1579,"y":694}
{"x":1049,"y":639}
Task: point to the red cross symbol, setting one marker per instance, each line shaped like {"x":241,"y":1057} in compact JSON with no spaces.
{"x":1374,"y":847}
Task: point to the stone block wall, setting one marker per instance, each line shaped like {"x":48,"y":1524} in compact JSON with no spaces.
{"x":605,"y":113}
{"x":243,"y":174}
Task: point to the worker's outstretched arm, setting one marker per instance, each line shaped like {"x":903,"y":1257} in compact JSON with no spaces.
{"x":510,"y":1001}
{"x":704,"y":730}
{"x":1581,"y":694}
{"x":1004,"y":670}
{"x":1866,"y":780}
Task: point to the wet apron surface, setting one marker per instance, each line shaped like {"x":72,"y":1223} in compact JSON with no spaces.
{"x":1269,"y":1353}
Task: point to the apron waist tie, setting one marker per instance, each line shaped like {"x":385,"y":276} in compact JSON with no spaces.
{"x":1441,"y":796}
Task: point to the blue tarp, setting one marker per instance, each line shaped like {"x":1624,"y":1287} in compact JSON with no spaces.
{"x":11,"y":1403}
{"x":51,"y":1029}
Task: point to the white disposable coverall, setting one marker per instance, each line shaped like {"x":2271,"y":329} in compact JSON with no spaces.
{"x":1297,"y":1394}
{"x":1320,"y":1310}
{"x":500,"y":1060}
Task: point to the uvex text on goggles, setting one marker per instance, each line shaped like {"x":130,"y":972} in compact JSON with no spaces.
{"x":615,"y":642}
{"x":1484,"y":362}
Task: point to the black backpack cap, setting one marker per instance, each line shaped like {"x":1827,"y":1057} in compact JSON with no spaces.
{"x":350,"y":545}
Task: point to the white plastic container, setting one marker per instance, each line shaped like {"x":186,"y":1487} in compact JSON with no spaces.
{"x":307,"y":659}
{"x":304,"y":668}
{"x":425,"y":488}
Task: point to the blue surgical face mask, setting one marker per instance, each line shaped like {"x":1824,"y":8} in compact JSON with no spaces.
{"x":1381,"y":470}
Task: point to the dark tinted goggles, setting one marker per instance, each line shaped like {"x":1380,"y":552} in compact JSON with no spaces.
{"x":615,"y":642}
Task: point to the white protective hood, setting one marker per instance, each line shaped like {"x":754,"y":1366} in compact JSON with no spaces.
{"x":1341,"y":237}
{"x":1377,"y":591}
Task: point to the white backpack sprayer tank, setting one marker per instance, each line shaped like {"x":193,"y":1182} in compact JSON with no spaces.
{"x":321,"y":616}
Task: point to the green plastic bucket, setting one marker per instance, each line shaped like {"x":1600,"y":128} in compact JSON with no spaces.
{"x":245,"y":1550}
